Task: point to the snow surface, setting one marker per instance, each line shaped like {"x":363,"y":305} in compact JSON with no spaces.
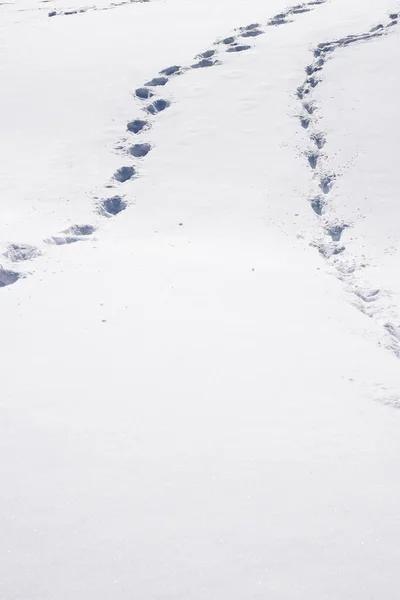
{"x":200,"y":364}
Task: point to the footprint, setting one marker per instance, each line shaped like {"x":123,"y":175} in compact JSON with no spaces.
{"x":326,"y":183}
{"x":376,"y":28}
{"x":335,"y":232}
{"x":238,"y":48}
{"x":80,"y":230}
{"x":299,"y":11}
{"x":109,"y":207}
{"x":278,"y":21}
{"x":313,"y":160}
{"x":313,"y":81}
{"x":206,"y":54}
{"x":252,"y":33}
{"x":204,"y":63}
{"x":318,"y":205}
{"x":157,"y":81}
{"x":251,"y":27}
{"x":62,"y":240}
{"x":311,"y":69}
{"x":302,"y":91}
{"x":319,"y":140}
{"x":171,"y":70}
{"x":309,"y":107}
{"x":8,"y":277}
{"x":144,"y":93}
{"x":137,"y":126}
{"x":124,"y":174}
{"x":305,"y":122}
{"x":157,"y":106}
{"x":368,"y":295}
{"x":228,"y":40}
{"x":140,"y":150}
{"x":21,"y":252}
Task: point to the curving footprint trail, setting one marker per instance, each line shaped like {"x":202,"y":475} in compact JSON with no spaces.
{"x":152,"y":106}
{"x":331,"y":246}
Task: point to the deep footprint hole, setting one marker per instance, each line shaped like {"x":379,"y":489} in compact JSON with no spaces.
{"x":157,"y":81}
{"x":8,"y":277}
{"x":157,"y":106}
{"x":140,"y":150}
{"x":144,"y":93}
{"x":137,"y":126}
{"x":111,"y":207}
{"x":124,"y":174}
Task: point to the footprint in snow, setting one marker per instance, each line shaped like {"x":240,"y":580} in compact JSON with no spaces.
{"x":204,"y":63}
{"x":71,"y":235}
{"x":137,"y":126}
{"x":157,"y":81}
{"x":144,"y":93}
{"x":238,"y":48}
{"x":140,"y":150}
{"x":157,"y":106}
{"x":110,"y":207}
{"x":124,"y":174}
{"x":21,"y":252}
{"x":174,"y":70}
{"x":8,"y":277}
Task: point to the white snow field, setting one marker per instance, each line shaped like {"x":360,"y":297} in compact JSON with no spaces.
{"x":200,"y":300}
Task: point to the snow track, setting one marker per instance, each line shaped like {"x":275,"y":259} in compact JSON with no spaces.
{"x":331,"y":246}
{"x":113,"y":205}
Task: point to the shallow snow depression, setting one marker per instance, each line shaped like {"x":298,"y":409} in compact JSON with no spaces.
{"x":200,"y":300}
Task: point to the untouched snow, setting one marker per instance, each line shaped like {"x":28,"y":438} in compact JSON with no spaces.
{"x":199,"y":378}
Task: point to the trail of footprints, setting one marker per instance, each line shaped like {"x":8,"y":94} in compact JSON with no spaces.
{"x":152,"y":106}
{"x":331,"y":246}
{"x":83,"y":9}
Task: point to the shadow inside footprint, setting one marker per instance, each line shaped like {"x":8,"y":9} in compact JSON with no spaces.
{"x":140,"y":150}
{"x":8,"y":277}
{"x":137,"y":126}
{"x":238,"y":48}
{"x":318,"y":205}
{"x":252,"y":33}
{"x":171,"y":70}
{"x":157,"y":81}
{"x":278,"y":21}
{"x":228,"y":40}
{"x":124,"y":174}
{"x":109,"y":207}
{"x":251,"y":26}
{"x":206,"y":54}
{"x":206,"y":62}
{"x":326,"y":183}
{"x":144,"y":93}
{"x":319,"y":140}
{"x":157,"y":106}
{"x":335,"y":232}
{"x":313,"y":160}
{"x":309,"y":107}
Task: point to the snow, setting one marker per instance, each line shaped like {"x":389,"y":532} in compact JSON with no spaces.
{"x":196,"y":401}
